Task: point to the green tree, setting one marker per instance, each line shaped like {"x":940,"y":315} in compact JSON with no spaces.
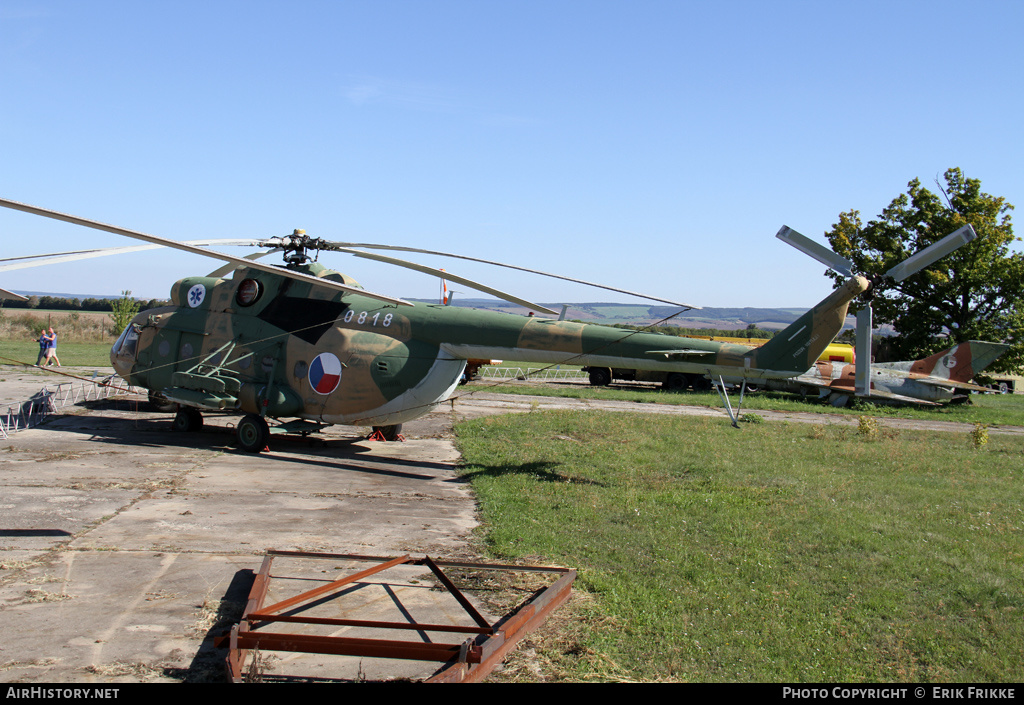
{"x":974,"y":293}
{"x":124,"y":310}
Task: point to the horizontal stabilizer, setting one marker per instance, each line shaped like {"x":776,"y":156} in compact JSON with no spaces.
{"x":675,"y":354}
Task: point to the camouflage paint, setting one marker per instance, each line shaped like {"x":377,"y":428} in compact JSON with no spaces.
{"x":933,"y":379}
{"x":398,"y":362}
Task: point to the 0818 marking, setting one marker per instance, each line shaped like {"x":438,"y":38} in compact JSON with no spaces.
{"x":363,"y":315}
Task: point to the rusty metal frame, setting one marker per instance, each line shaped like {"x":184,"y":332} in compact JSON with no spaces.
{"x":470,"y":660}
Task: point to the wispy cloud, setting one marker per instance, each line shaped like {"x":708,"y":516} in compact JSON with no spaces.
{"x":365,"y":91}
{"x":413,"y":96}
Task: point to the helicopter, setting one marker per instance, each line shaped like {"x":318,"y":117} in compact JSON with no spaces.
{"x":304,"y":347}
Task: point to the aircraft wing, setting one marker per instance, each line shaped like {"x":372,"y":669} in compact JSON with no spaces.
{"x":939,"y":382}
{"x":825,"y":386}
{"x":882,"y":394}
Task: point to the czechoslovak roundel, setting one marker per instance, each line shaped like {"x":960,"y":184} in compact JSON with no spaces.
{"x":325,"y":373}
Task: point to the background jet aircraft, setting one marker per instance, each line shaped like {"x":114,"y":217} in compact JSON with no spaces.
{"x":934,"y":379}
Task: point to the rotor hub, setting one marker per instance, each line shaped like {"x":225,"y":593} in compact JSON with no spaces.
{"x":295,"y":247}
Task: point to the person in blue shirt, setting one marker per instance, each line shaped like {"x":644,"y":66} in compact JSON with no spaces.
{"x":51,"y":350}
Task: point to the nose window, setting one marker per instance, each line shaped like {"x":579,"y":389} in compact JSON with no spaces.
{"x":129,"y":339}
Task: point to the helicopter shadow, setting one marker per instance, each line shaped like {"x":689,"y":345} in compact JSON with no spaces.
{"x":381,"y":466}
{"x":542,"y":471}
{"x":145,"y":429}
{"x":135,"y":432}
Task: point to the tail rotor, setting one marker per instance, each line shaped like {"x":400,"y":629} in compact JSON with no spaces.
{"x":879,"y":281}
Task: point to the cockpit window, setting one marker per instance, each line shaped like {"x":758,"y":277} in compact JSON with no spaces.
{"x":128,"y":341}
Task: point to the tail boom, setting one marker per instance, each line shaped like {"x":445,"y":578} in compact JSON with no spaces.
{"x":794,"y":350}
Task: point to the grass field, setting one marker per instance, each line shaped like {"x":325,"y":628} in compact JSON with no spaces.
{"x":782,"y":552}
{"x":70,"y":354}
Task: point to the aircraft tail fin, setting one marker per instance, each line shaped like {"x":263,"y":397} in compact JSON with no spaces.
{"x":959,"y":363}
{"x":794,"y":350}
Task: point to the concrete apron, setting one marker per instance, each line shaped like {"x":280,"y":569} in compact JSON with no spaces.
{"x":124,"y":545}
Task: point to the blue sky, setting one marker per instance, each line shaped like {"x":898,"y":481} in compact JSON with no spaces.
{"x":656,"y":146}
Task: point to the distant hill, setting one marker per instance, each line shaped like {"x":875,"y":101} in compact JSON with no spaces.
{"x":603,"y":313}
{"x":640,"y":314}
{"x":81,"y":297}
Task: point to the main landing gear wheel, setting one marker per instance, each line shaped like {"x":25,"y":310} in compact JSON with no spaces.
{"x":253,"y":433}
{"x":388,"y":433}
{"x":600,"y":376}
{"x":187,"y":420}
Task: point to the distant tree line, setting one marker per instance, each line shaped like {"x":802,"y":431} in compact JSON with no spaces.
{"x":55,"y":303}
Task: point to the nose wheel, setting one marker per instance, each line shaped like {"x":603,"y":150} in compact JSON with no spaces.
{"x":187,"y":420}
{"x":253,"y":433}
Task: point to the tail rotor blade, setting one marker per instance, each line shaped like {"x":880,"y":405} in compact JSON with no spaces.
{"x":862,"y":363}
{"x":819,"y":252}
{"x":936,"y":251}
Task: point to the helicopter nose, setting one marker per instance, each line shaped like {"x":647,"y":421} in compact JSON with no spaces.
{"x":121,"y":367}
{"x":122,"y":354}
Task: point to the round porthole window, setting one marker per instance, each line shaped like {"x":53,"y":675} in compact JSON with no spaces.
{"x":249,"y":292}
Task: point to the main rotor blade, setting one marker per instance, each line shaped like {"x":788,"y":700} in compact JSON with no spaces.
{"x":239,"y":261}
{"x":819,"y":252}
{"x":56,"y":257}
{"x":448,"y":276}
{"x":507,"y":266}
{"x":936,"y":251}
